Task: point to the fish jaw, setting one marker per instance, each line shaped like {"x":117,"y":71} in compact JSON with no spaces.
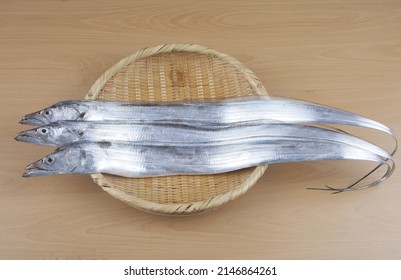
{"x":30,"y":136}
{"x":36,"y":173}
{"x":26,"y":136}
{"x":36,"y":169}
{"x":32,"y":119}
{"x":21,"y":137}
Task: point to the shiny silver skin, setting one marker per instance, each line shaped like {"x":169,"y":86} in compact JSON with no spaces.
{"x":66,"y":132}
{"x":221,"y":149}
{"x":219,"y":112}
{"x":128,"y":160}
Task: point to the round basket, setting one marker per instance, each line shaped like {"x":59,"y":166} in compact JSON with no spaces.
{"x":173,"y":72}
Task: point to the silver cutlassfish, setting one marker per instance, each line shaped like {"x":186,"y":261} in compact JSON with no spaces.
{"x":135,"y":160}
{"x":66,"y":132}
{"x":221,"y":112}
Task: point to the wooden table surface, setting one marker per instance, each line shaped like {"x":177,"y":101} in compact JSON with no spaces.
{"x":343,"y":53}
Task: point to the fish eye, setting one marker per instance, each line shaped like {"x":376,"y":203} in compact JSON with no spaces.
{"x":48,"y":113}
{"x":44,"y":130}
{"x":49,"y":160}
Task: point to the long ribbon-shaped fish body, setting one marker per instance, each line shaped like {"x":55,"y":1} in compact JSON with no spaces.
{"x":126,"y":159}
{"x":66,"y":132}
{"x":222,"y":112}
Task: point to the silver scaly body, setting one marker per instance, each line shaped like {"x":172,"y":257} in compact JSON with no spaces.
{"x":66,"y":132}
{"x":223,"y":112}
{"x":130,"y":160}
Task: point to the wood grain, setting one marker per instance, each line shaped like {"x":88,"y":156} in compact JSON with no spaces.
{"x":345,"y":54}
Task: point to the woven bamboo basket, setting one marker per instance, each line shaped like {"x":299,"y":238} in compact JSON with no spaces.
{"x":173,"y":72}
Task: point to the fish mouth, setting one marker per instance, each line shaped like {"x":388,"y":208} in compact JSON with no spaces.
{"x":24,"y":136}
{"x":34,"y":170}
{"x":31,"y":119}
{"x":30,"y":136}
{"x":36,"y":173}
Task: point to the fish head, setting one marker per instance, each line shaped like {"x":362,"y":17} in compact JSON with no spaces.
{"x":54,"y":134}
{"x":66,"y":160}
{"x":65,"y":110}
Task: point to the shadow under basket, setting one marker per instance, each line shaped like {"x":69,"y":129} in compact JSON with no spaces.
{"x":174,"y":72}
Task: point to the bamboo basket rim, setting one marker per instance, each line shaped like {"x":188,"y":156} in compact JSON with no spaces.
{"x":177,"y":208}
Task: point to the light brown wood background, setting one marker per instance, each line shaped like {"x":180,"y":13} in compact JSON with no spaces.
{"x":344,"y":53}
